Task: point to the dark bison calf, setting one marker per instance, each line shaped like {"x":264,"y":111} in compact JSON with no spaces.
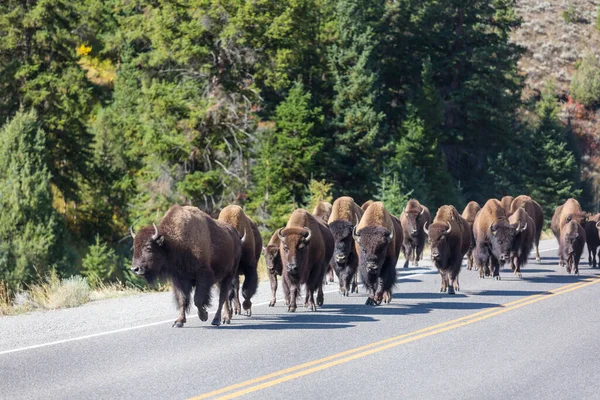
{"x":494,"y":237}
{"x":524,"y":240}
{"x":379,"y":238}
{"x":274,"y":266}
{"x":534,"y":210}
{"x":306,"y":249}
{"x":234,"y":216}
{"x":413,"y":218}
{"x":345,"y":214}
{"x":592,"y":239}
{"x":450,"y":239}
{"x":572,"y":240}
{"x":469,"y":214}
{"x":570,"y":211}
{"x":190,"y":249}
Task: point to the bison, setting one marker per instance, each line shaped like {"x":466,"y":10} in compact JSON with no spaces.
{"x":190,"y":249}
{"x":306,"y":248}
{"x":378,"y":238}
{"x":526,"y":234}
{"x":572,"y":240}
{"x":469,"y":214}
{"x":274,"y":267}
{"x":344,"y":215}
{"x":413,"y":218}
{"x":506,"y":201}
{"x":323,"y":211}
{"x":366,"y":204}
{"x":570,"y":211}
{"x":450,"y":239}
{"x":494,"y":237}
{"x":592,"y":239}
{"x":234,"y":216}
{"x":534,"y":210}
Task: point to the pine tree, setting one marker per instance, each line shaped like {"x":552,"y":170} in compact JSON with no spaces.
{"x":30,"y":233}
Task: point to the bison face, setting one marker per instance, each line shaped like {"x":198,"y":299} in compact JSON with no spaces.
{"x":272,"y":257}
{"x":294,"y":244}
{"x":373,"y":242}
{"x":578,"y":217}
{"x":412,"y":222}
{"x":502,"y":239}
{"x":149,"y":256}
{"x":438,"y":239}
{"x":570,"y":243}
{"x":342,"y":236}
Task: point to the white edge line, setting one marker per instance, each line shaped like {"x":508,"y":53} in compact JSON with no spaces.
{"x":131,"y":328}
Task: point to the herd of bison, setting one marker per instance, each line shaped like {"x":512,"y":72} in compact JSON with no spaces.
{"x":193,"y":250}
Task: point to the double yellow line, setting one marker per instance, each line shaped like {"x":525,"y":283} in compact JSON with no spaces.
{"x":275,"y":378}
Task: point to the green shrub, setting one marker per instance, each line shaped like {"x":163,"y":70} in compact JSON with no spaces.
{"x":572,"y":15}
{"x":598,"y":18}
{"x":100,"y":264}
{"x":585,"y":85}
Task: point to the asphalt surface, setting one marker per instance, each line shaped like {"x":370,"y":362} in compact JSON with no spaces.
{"x":531,"y":337}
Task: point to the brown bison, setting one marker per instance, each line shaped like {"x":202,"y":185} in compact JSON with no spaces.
{"x":344,"y":215}
{"x":469,"y":214}
{"x":366,"y":204}
{"x":506,"y":201}
{"x":524,"y":240}
{"x":234,"y":216}
{"x":494,"y":238}
{"x":274,"y":266}
{"x":592,"y":240}
{"x":572,"y":240}
{"x":323,"y":211}
{"x":306,"y":249}
{"x":191,"y":250}
{"x":534,"y":210}
{"x":413,"y":218}
{"x":450,"y":239}
{"x":570,"y":211}
{"x":378,"y":238}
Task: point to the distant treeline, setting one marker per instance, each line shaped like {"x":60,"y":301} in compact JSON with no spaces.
{"x":113,"y":110}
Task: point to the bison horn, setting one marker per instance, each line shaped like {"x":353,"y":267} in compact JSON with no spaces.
{"x":524,"y":227}
{"x":598,"y":224}
{"x":131,"y":232}
{"x":425,"y":228}
{"x":155,"y":236}
{"x":307,"y":238}
{"x":422,"y":210}
{"x":355,"y":234}
{"x":243,"y":238}
{"x":392,"y":233}
{"x":449,"y":228}
{"x":279,"y":235}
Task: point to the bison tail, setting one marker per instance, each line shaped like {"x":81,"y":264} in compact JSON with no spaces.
{"x":250,"y":283}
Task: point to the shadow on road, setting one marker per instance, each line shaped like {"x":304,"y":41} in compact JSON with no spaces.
{"x":556,"y":278}
{"x":301,"y":319}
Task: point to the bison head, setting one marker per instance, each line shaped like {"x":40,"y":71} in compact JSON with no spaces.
{"x":373,"y":242}
{"x":272,"y":257}
{"x":412,"y":221}
{"x":502,"y":237}
{"x":578,"y":217}
{"x":570,"y":238}
{"x":149,"y":255}
{"x":438,"y":240}
{"x":341,"y":231}
{"x":294,"y":242}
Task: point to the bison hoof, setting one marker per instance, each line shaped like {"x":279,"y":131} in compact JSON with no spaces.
{"x":451,"y":290}
{"x":249,"y":312}
{"x":203,"y":314}
{"x":370,"y":302}
{"x":320,"y":300}
{"x":497,"y":277}
{"x":291,"y":309}
{"x":227,"y":321}
{"x":272,"y":303}
{"x":178,"y":324}
{"x":216,"y":322}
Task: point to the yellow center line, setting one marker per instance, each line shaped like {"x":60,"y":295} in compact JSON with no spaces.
{"x":378,"y":346}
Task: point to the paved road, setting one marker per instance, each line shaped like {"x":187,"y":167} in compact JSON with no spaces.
{"x":535,"y":337}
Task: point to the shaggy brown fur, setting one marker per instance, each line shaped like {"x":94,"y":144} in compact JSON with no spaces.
{"x":572,"y":240}
{"x":523,"y":241}
{"x":234,"y":216}
{"x":506,"y":202}
{"x":469,"y":214}
{"x":305,"y":254}
{"x":450,"y":239}
{"x":378,"y":238}
{"x":413,"y":218}
{"x":592,"y":239}
{"x":274,"y":266}
{"x":564,"y":214}
{"x":323,"y":212}
{"x":534,"y":210}
{"x":344,"y":216}
{"x":494,"y":237}
{"x":191,"y":250}
{"x":366,"y":204}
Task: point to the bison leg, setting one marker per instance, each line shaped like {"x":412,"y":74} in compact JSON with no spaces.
{"x":517,"y":266}
{"x":408,"y":254}
{"x":418,"y":254}
{"x":444,"y":283}
{"x":273,"y":281}
{"x":249,"y":288}
{"x":355,"y":283}
{"x":182,"y":297}
{"x":224,"y":288}
{"x":537,"y":253}
{"x":202,"y":294}
{"x":235,"y":293}
{"x":293,"y":294}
